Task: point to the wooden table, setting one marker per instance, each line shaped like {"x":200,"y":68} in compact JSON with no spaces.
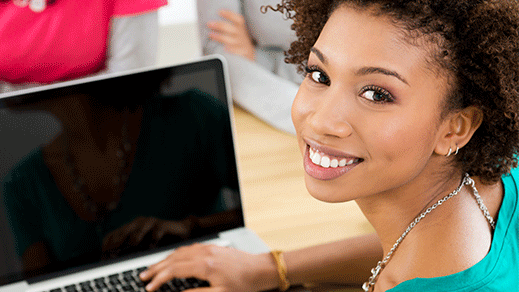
{"x":277,"y":205}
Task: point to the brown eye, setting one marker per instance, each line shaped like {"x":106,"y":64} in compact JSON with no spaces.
{"x":317,"y":75}
{"x":376,"y":94}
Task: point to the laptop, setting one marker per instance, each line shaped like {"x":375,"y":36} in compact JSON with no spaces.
{"x":106,"y":175}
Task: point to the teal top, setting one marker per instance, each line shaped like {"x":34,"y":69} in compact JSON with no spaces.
{"x":181,"y":166}
{"x":499,"y":269}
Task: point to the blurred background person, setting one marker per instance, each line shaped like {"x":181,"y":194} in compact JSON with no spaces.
{"x":44,"y":41}
{"x":253,"y":43}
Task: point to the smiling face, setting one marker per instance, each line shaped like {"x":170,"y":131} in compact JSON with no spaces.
{"x":368,"y":114}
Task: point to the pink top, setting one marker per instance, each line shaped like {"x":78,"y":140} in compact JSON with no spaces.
{"x":65,"y":41}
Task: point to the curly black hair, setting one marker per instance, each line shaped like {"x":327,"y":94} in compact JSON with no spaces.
{"x":478,"y":45}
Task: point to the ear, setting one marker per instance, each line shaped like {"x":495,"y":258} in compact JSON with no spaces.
{"x":457,"y":130}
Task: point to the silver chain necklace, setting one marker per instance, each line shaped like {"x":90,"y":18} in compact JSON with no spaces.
{"x":370,"y":284}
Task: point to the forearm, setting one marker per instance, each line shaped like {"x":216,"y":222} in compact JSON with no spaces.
{"x":347,"y":261}
{"x":133,"y":42}
{"x":208,"y":11}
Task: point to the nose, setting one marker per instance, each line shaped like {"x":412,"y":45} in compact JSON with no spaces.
{"x":331,"y":117}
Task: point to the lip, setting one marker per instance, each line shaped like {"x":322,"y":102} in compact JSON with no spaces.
{"x":323,"y":173}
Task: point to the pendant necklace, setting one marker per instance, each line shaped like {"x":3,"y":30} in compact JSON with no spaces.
{"x":375,"y":272}
{"x":119,"y":180}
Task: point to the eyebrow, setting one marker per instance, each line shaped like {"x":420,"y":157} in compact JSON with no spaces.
{"x":364,"y":70}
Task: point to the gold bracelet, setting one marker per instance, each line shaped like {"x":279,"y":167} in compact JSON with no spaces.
{"x":281,"y":266}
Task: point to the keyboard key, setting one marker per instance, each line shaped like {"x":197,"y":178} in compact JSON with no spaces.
{"x":126,"y":287}
{"x":100,"y":285}
{"x":129,"y":281}
{"x":71,"y":288}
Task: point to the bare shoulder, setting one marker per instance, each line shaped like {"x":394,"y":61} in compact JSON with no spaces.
{"x":455,"y":238}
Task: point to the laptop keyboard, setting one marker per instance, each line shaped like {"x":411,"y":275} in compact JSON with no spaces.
{"x":129,"y":281}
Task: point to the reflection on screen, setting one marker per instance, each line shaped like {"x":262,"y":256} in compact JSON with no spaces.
{"x":111,"y":168}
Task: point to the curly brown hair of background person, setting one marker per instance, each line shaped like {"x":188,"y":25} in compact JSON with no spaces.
{"x":476,"y":45}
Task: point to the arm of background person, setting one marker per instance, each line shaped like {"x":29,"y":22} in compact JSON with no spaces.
{"x":261,"y":92}
{"x":267,"y":87}
{"x":132,"y":42}
{"x":209,"y":11}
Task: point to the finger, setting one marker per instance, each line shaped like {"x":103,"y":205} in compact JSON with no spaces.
{"x":154,"y":269}
{"x":175,"y":228}
{"x":222,"y":27}
{"x":158,"y":280}
{"x":159,"y":233}
{"x":117,"y":237}
{"x":199,"y":289}
{"x":181,"y":270}
{"x":225,"y":40}
{"x":139,"y":234}
{"x":114,"y":240}
{"x":235,"y":18}
{"x":182,"y":254}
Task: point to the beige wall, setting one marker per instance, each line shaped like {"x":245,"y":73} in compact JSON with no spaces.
{"x":178,"y":33}
{"x":178,"y":43}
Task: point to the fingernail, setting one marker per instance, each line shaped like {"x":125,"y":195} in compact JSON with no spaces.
{"x":143,"y":274}
{"x":148,"y":287}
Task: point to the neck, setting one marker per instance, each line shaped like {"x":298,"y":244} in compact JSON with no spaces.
{"x":404,"y":203}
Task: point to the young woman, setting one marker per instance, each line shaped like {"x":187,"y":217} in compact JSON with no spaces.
{"x":410,"y":109}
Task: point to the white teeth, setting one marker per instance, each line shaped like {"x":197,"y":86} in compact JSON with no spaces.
{"x":326,"y":162}
{"x":316,"y":159}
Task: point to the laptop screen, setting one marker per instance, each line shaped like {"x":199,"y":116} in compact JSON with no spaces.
{"x":109,"y":167}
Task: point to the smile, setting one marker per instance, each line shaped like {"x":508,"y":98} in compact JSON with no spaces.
{"x":325,"y":166}
{"x":327,"y":161}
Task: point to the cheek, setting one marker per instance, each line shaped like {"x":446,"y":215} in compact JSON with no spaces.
{"x":404,"y":139}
